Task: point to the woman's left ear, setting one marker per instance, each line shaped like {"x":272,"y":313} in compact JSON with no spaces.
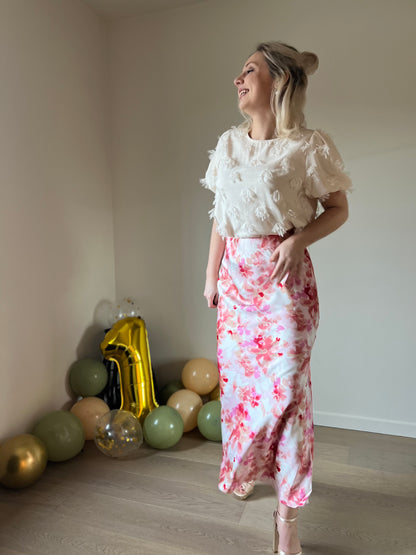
{"x":279,"y":82}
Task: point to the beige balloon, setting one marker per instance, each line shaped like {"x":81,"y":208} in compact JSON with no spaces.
{"x":89,"y":410}
{"x":188,"y":404}
{"x":200,"y":375}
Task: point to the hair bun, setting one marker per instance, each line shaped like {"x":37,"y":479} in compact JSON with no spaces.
{"x":310,"y":62}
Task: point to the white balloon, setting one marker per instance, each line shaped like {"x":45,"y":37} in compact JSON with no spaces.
{"x":104,"y":314}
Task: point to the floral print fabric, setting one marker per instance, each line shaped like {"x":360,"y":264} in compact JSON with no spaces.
{"x":265,"y":334}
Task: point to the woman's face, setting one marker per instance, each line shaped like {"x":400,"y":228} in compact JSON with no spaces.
{"x":255,"y":85}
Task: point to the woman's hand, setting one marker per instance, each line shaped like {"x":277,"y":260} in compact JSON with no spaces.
{"x":288,"y":257}
{"x":216,"y":251}
{"x":211,"y":292}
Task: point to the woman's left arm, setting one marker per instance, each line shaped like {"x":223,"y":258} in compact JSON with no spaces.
{"x":289,"y":254}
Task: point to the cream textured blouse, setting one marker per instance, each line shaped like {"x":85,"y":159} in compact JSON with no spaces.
{"x":267,"y":187}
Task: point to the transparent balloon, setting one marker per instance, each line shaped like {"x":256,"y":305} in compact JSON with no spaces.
{"x":119,"y":434}
{"x":126,"y":308}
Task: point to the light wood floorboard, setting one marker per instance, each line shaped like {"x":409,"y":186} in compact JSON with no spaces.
{"x":363,"y":503}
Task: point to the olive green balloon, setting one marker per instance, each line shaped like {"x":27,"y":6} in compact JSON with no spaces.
{"x":87,"y":377}
{"x":169,"y":389}
{"x":163,"y":427}
{"x":209,"y":421}
{"x":62,"y":433}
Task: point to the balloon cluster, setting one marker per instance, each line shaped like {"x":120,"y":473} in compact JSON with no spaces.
{"x":60,"y":435}
{"x":162,"y":428}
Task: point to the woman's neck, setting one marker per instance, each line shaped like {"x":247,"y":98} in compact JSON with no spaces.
{"x":263,"y":127}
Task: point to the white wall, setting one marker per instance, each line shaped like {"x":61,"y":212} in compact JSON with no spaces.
{"x":172,"y":89}
{"x":56,"y":227}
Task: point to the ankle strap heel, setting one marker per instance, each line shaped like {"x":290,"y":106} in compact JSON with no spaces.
{"x":286,"y":519}
{"x":276,"y":534}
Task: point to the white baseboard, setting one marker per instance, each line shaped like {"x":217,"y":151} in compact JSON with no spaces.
{"x":365,"y":424}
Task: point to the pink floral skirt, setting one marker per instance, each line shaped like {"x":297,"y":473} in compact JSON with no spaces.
{"x":265,"y":334}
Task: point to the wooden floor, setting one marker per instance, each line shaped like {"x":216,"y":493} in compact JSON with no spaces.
{"x":363,"y":503}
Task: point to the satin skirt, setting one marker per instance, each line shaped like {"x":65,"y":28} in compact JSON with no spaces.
{"x":265,"y":333}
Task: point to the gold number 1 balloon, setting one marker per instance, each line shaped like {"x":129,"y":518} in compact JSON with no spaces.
{"x":127,"y":345}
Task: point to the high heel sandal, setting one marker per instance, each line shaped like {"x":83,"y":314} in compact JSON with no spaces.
{"x":244,"y":491}
{"x":276,"y":534}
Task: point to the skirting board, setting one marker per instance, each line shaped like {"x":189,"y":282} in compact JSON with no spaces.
{"x":365,"y":424}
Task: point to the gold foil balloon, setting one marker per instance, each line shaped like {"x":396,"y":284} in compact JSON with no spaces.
{"x":23,"y":459}
{"x":200,"y":375}
{"x":89,"y":410}
{"x":188,"y":404}
{"x":127,"y":345}
{"x":119,"y":434}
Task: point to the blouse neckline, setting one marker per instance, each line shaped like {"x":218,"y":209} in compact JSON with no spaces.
{"x":245,"y":133}
{"x":259,"y":141}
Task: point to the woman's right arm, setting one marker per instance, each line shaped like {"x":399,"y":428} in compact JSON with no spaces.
{"x":216,"y":251}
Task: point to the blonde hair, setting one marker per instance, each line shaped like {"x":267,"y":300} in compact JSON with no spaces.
{"x":289,"y":68}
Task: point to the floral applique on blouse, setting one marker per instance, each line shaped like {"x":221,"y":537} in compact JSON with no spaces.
{"x":267,"y":187}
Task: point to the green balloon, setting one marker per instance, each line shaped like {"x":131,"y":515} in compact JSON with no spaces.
{"x":163,"y":427}
{"x":169,"y":389}
{"x":62,"y":433}
{"x":88,"y":377}
{"x":209,"y":421}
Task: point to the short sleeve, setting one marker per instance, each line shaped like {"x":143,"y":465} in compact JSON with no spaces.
{"x":325,"y":172}
{"x":210,"y":179}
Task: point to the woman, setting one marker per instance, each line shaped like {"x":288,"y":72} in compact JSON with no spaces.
{"x":269,"y":176}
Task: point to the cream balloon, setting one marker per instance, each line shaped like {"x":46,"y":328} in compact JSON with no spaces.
{"x":89,"y":410}
{"x":188,"y":404}
{"x":200,"y":375}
